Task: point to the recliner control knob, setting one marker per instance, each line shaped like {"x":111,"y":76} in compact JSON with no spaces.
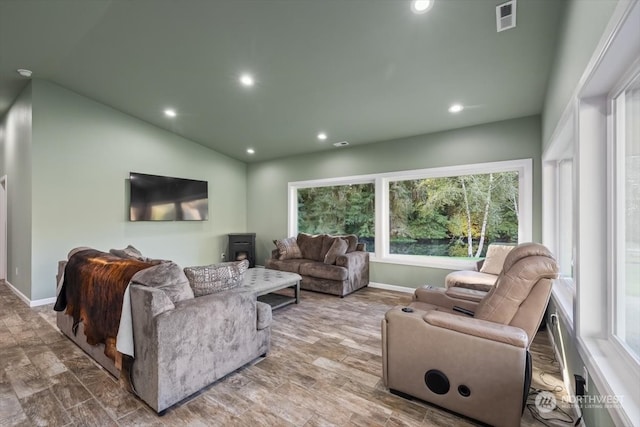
{"x":407,"y":309}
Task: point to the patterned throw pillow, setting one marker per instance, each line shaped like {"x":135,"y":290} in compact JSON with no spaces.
{"x":339,"y":247}
{"x":288,"y":248}
{"x":205,"y":280}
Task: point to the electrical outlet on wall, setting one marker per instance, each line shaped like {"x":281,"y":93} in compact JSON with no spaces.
{"x":585,"y":375}
{"x":16,"y":271}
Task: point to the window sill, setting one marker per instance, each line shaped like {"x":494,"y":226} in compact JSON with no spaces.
{"x":614,"y":379}
{"x":445,"y":263}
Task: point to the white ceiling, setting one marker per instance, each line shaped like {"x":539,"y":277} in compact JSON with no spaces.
{"x":360,"y":70}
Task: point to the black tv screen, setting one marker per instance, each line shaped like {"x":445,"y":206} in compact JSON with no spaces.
{"x":162,"y":198}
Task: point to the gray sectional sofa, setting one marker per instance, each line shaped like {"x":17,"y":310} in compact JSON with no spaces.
{"x":337,"y":270}
{"x":181,"y":342}
{"x":181,"y":348}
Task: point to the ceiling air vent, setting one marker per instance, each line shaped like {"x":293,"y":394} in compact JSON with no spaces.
{"x":506,"y":15}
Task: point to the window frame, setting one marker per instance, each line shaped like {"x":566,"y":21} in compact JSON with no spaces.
{"x":612,"y":372}
{"x":563,"y":147}
{"x":381,"y":254}
{"x":615,"y":213}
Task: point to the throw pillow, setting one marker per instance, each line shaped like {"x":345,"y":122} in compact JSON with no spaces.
{"x":352,"y":239}
{"x":311,"y":246}
{"x":339,"y":247}
{"x":496,"y":254}
{"x":205,"y":280}
{"x":288,"y":248}
{"x":167,"y":276}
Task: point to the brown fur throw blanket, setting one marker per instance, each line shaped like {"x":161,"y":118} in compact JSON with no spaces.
{"x":92,"y":293}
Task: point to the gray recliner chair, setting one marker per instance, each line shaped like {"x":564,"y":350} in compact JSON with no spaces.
{"x":467,"y":350}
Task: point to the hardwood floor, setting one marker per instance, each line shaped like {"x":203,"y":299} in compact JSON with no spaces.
{"x":324,"y":369}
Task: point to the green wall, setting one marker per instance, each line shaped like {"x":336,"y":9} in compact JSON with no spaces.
{"x":582,"y":27}
{"x":82,"y":154}
{"x":15,"y":162}
{"x":267,"y":181}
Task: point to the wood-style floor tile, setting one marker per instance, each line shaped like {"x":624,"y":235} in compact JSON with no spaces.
{"x":68,"y":390}
{"x":324,"y":369}
{"x":90,"y":413}
{"x":43,"y":409}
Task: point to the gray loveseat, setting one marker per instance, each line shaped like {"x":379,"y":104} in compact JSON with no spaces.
{"x":325,"y":264}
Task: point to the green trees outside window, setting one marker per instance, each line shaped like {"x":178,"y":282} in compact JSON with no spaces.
{"x":454,"y":216}
{"x":339,"y":209}
{"x":461,"y":215}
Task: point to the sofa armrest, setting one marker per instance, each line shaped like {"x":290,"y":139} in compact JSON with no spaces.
{"x":441,"y":298}
{"x":149,"y":301}
{"x":478,"y":328}
{"x":465,"y":294}
{"x":352,"y":259}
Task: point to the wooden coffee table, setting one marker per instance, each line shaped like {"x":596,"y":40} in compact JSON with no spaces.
{"x":265,"y":282}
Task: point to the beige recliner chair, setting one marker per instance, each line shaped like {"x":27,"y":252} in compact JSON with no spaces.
{"x":467,"y":350}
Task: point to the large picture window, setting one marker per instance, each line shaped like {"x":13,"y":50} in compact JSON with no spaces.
{"x":440,"y":217}
{"x":338,"y":209}
{"x":456,"y":216}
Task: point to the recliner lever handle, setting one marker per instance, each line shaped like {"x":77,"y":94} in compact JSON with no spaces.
{"x":463,"y":311}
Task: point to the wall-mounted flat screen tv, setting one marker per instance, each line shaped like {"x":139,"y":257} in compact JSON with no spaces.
{"x":162,"y":198}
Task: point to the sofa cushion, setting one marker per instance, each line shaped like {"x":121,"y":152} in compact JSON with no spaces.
{"x":339,"y":247}
{"x":311,"y":246}
{"x":290,"y":265}
{"x":168,"y":277}
{"x":496,"y":254}
{"x":352,"y":240}
{"x":321,"y":270}
{"x":212,"y":278}
{"x":288,"y":248}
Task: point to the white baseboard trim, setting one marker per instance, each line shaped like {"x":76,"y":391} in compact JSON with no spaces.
{"x":26,"y":300}
{"x":43,"y":301}
{"x":392,"y":287}
{"x":18,"y":293}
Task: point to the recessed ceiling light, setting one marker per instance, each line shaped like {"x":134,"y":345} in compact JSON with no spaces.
{"x":251,"y":151}
{"x":247,"y":80}
{"x":421,"y":6}
{"x":322,"y":136}
{"x":456,"y":108}
{"x":340,"y":144}
{"x":170,"y":112}
{"x":24,"y":72}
